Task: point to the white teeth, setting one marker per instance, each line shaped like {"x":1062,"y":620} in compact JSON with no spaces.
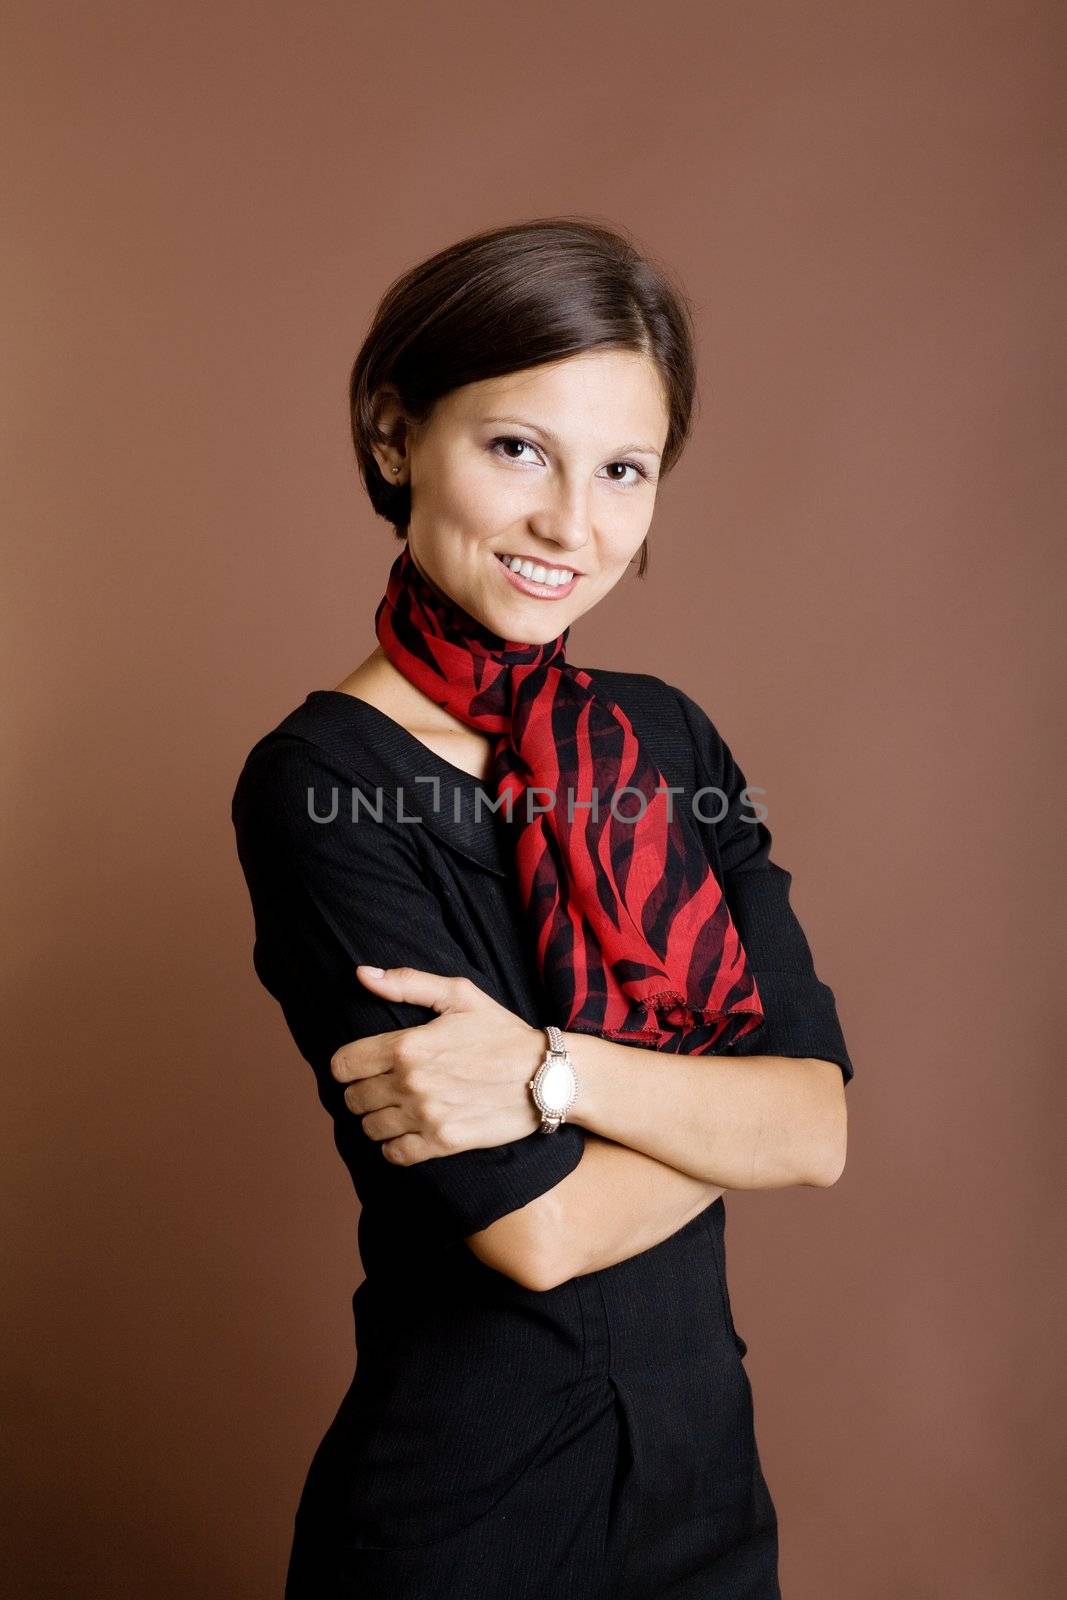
{"x":533,"y":570}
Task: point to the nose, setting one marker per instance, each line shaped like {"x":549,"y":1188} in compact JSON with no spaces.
{"x":564,"y":518}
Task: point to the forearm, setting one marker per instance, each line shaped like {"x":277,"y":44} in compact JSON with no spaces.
{"x":616,"y":1203}
{"x":752,"y":1122}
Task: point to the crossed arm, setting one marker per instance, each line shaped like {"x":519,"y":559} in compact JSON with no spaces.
{"x":764,"y":1122}
{"x":665,"y":1134}
{"x":654,"y":1137}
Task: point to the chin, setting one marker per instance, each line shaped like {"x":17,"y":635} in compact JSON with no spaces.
{"x":526,"y":630}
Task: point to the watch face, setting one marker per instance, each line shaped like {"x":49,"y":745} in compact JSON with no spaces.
{"x":555,"y":1085}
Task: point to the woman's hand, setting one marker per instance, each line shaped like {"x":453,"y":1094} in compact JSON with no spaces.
{"x":456,"y":1083}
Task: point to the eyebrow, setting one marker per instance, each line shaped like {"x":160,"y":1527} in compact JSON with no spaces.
{"x":533,"y":427}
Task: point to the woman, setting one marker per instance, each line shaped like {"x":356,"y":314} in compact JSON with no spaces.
{"x":524,"y":926}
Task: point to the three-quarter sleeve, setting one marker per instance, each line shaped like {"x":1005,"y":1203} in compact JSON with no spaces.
{"x":327,"y":896}
{"x":800,"y":1011}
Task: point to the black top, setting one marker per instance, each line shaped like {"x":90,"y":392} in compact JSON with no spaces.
{"x":473,"y":1365}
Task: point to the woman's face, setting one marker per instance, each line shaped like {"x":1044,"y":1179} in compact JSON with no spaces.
{"x":556,"y":465}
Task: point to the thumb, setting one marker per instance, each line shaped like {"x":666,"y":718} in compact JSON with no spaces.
{"x":416,"y":987}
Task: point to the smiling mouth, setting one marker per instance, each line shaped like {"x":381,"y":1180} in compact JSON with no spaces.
{"x":538,"y":571}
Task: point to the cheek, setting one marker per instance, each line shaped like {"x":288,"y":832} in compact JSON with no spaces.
{"x":477,"y":499}
{"x":624,"y":530}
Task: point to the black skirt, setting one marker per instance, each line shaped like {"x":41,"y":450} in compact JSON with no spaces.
{"x":593,"y":1440}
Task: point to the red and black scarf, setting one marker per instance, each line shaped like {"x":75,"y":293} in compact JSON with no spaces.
{"x":632,"y":934}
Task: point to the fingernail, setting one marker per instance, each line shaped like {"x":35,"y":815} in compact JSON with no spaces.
{"x":377,"y":971}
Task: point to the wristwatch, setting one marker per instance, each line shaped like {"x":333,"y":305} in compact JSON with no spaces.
{"x":554,"y":1084}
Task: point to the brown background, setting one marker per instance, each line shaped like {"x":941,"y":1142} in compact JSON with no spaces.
{"x":854,"y":570}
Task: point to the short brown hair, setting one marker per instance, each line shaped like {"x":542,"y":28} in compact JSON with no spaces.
{"x":509,"y":298}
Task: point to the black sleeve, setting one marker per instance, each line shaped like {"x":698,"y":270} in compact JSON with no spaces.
{"x":800,"y":1012}
{"x":327,"y":896}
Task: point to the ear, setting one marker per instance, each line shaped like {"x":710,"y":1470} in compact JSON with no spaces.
{"x":390,"y":445}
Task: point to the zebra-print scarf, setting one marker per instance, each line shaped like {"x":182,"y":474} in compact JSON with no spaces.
{"x":632,"y":934}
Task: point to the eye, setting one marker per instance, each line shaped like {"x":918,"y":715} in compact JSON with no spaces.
{"x":501,"y":444}
{"x":631,"y":466}
{"x":505,"y":439}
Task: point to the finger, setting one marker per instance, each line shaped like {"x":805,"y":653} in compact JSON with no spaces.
{"x":419,"y":988}
{"x":389,"y":1123}
{"x":371,"y":1094}
{"x":407,"y":1150}
{"x":365,"y":1058}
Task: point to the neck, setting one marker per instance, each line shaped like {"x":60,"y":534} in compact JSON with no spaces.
{"x":378,"y":680}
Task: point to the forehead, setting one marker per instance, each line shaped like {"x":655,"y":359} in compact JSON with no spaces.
{"x":596,"y":392}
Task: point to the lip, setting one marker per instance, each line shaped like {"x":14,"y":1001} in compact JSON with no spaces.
{"x":538,"y":591}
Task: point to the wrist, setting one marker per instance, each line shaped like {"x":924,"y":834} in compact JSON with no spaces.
{"x":586,"y":1051}
{"x":554,"y":1086}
